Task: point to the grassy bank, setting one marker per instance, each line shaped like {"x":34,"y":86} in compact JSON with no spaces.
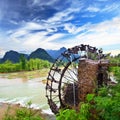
{"x":26,"y":74}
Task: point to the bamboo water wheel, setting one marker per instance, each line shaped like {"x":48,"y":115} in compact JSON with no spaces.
{"x":75,"y":73}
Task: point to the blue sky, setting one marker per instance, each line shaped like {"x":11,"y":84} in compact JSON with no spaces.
{"x":26,"y":25}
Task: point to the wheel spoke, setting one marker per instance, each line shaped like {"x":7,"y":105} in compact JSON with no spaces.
{"x":63,"y":75}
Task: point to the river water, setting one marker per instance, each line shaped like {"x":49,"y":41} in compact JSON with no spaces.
{"x":20,"y":91}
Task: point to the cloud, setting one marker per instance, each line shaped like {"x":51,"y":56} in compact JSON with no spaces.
{"x":100,"y":34}
{"x":104,"y":33}
{"x":32,"y":26}
{"x":19,"y":33}
{"x":63,"y":16}
{"x":114,"y":7}
{"x":93,"y":9}
{"x":43,"y":2}
{"x":25,"y":29}
{"x":2,"y":52}
{"x":39,"y":40}
{"x":113,"y":52}
{"x":70,"y":27}
{"x":13,"y":22}
{"x":102,"y":6}
{"x":73,"y":29}
{"x":53,"y":24}
{"x":54,"y":37}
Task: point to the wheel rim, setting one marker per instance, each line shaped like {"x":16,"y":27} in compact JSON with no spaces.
{"x":63,"y":76}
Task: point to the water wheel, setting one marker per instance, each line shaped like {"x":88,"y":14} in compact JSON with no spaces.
{"x":62,"y":81}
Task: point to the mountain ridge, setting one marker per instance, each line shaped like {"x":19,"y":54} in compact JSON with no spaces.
{"x":39,"y":53}
{"x":56,"y":53}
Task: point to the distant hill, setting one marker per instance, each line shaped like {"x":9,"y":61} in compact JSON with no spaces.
{"x":41,"y":54}
{"x":13,"y":56}
{"x":0,"y":60}
{"x":56,"y":53}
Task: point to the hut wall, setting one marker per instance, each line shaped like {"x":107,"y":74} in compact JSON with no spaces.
{"x":87,"y":77}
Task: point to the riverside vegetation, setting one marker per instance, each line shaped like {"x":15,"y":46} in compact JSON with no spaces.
{"x":23,"y":113}
{"x":104,"y":105}
{"x":24,"y":65}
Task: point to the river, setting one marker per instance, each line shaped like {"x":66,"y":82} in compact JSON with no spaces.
{"x":22,"y":91}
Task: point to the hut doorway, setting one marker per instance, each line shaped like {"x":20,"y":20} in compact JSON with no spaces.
{"x":100,"y":79}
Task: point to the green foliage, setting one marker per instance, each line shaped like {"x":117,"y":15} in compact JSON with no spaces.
{"x":22,"y":114}
{"x":100,"y":107}
{"x":84,"y":113}
{"x":22,"y":62}
{"x":71,"y":114}
{"x":67,"y":115}
{"x":109,"y":106}
{"x":90,"y":97}
{"x":32,"y":64}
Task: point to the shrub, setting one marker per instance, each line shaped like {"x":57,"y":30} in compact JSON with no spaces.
{"x":22,"y":114}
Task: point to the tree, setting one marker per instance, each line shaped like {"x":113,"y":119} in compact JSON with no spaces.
{"x":23,"y":62}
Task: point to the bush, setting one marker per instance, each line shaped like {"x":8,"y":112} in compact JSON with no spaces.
{"x":22,"y":114}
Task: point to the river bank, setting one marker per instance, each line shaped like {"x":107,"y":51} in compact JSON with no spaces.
{"x":26,"y":75}
{"x":11,"y":110}
{"x":18,"y":88}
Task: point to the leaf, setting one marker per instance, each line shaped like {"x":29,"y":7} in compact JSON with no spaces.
{"x":90,"y":97}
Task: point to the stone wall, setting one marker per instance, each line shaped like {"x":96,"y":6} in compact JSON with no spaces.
{"x":87,"y":77}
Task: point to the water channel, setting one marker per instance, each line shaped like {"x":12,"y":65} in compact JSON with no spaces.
{"x":18,"y":91}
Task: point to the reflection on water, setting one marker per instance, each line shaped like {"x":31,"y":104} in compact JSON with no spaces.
{"x":22,"y":90}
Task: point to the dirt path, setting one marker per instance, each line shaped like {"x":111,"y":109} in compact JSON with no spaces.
{"x":4,"y":107}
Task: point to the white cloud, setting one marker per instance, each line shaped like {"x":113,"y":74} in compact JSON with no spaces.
{"x":113,"y":52}
{"x":54,"y":37}
{"x":112,"y":7}
{"x":33,"y":41}
{"x":105,"y":33}
{"x":71,"y":28}
{"x":43,"y":2}
{"x":93,"y":9}
{"x":25,"y":29}
{"x":104,"y":8}
{"x":101,"y":34}
{"x":13,"y":22}
{"x":18,"y":33}
{"x":64,"y":15}
{"x":2,"y":52}
{"x":40,"y":40}
{"x":32,"y":26}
